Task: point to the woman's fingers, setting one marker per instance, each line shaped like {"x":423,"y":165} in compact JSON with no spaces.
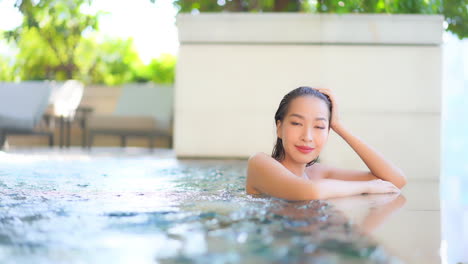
{"x":381,"y":186}
{"x":323,"y":90}
{"x":391,"y":187}
{"x":335,"y":111}
{"x":328,"y":92}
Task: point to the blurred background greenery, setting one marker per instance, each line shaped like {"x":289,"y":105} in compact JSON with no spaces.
{"x":58,"y":40}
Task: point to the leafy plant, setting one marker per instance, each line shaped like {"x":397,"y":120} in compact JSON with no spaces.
{"x":57,"y":28}
{"x":455,"y":12}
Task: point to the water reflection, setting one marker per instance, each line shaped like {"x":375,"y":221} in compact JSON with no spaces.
{"x":370,"y":211}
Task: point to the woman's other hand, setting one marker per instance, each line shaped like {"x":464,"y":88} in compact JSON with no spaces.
{"x":380,"y":186}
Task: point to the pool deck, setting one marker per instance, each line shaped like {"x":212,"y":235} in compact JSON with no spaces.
{"x":410,"y":226}
{"x":407,"y":225}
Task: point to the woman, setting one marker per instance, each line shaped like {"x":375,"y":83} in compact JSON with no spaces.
{"x":303,"y":121}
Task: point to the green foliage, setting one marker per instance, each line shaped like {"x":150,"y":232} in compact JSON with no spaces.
{"x":56,"y":41}
{"x":115,"y":62}
{"x":456,"y":16}
{"x":111,"y":62}
{"x":454,"y":11}
{"x":36,"y":60}
{"x":379,"y":6}
{"x":56,"y":26}
{"x":7,"y":66}
{"x":239,"y":5}
{"x":160,"y":70}
{"x":6,"y":69}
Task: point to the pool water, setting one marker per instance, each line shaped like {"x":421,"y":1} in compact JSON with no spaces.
{"x":83,"y":208}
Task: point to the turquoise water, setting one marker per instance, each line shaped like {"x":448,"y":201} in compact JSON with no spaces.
{"x":136,"y":209}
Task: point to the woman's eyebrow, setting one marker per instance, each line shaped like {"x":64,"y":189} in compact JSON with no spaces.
{"x":298,"y":116}
{"x":320,"y":118}
{"x":302,"y":117}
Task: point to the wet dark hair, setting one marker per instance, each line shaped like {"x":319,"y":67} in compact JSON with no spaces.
{"x":278,"y":150}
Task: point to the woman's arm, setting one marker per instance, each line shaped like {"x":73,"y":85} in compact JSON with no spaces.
{"x":379,"y":166}
{"x":268,"y":176}
{"x":331,"y":188}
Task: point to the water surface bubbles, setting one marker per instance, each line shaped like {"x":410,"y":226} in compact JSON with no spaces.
{"x":145,"y":209}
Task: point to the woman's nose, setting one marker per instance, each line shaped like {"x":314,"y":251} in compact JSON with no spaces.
{"x":308,"y":134}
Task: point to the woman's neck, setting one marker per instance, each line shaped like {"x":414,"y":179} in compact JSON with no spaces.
{"x":297,"y":169}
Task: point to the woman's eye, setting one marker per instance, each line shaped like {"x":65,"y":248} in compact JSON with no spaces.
{"x":320,"y":127}
{"x":295,"y":123}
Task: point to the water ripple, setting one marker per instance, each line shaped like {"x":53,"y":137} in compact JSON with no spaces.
{"x":102,"y":210}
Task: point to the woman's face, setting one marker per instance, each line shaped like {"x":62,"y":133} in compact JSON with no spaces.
{"x":304,"y":129}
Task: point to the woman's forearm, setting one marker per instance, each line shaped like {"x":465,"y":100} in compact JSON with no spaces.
{"x":377,"y":164}
{"x":328,"y":188}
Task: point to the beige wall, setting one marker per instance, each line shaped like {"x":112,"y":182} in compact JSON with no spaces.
{"x":227,"y":91}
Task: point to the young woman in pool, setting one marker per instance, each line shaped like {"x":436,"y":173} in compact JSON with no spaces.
{"x":303,"y":121}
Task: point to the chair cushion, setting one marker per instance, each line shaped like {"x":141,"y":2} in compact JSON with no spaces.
{"x":126,"y":124}
{"x":22,"y":104}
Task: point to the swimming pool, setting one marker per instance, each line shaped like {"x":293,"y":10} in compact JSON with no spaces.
{"x":83,"y":208}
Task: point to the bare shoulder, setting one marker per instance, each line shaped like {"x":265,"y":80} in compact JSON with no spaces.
{"x":259,"y":167}
{"x":259,"y":162}
{"x":259,"y":157}
{"x":255,"y":161}
{"x":266,"y":175}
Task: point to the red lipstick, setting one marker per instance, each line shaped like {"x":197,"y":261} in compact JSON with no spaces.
{"x":304,"y":149}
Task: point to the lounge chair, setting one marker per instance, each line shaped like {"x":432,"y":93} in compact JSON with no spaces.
{"x":64,"y":102}
{"x":21,"y":108}
{"x":143,"y":110}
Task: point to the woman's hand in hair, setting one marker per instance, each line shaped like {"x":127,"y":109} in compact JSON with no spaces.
{"x":378,"y":165}
{"x":335,"y":121}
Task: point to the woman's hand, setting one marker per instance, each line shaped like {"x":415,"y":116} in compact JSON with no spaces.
{"x":335,"y":121}
{"x":380,"y":186}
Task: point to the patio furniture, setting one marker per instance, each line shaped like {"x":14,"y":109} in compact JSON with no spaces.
{"x":82,"y":115}
{"x":21,"y":108}
{"x":143,"y":110}
{"x":64,"y":101}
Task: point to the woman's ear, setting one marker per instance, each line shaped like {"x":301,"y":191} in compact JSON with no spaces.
{"x":278,"y":129}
